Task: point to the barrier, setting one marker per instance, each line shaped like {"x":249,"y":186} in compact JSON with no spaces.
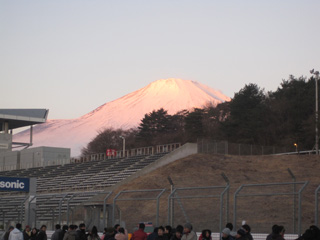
{"x":237,"y":194}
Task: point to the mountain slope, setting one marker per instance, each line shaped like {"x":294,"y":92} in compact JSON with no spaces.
{"x":125,"y":112}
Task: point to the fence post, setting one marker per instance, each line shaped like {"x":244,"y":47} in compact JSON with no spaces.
{"x":68,"y":202}
{"x":221,"y":208}
{"x":29,"y":204}
{"x":60,"y":205}
{"x":158,"y":203}
{"x":299,"y":209}
{"x":235,"y":207}
{"x":3,"y":220}
{"x":104,"y":208}
{"x":226,"y":148}
{"x":294,"y":199}
{"x":113,"y":207}
{"x":227,"y":200}
{"x":316,"y":206}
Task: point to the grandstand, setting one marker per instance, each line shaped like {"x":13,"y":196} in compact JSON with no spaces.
{"x":71,"y":184}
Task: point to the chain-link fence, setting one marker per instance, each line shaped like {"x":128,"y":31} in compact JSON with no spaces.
{"x":225,"y":147}
{"x":203,"y":206}
{"x":275,"y":202}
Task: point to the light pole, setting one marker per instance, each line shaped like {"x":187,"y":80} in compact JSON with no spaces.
{"x":124,"y":146}
{"x":316,"y":74}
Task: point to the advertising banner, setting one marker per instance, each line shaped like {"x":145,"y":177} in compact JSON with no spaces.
{"x":14,"y":184}
{"x":111,"y":152}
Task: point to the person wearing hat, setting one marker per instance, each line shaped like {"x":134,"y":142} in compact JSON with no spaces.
{"x":27,"y":233}
{"x":226,"y":234}
{"x":188,"y":234}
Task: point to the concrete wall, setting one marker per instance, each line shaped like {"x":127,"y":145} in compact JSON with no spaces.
{"x":9,"y":160}
{"x":184,"y":151}
{"x":34,"y":157}
{"x":5,"y":142}
{"x":44,"y":156}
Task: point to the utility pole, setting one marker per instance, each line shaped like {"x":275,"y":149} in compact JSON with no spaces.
{"x":316,"y":74}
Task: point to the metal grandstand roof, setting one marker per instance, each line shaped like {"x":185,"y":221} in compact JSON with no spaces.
{"x":22,"y":117}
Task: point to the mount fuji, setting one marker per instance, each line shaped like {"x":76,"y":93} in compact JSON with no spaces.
{"x":126,"y":112}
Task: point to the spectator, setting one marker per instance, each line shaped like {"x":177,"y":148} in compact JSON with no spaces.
{"x":232,"y":233}
{"x":168,"y":231}
{"x":278,"y":233}
{"x":34,"y":233}
{"x":226,"y":234}
{"x":161,"y":235}
{"x":27,"y":233}
{"x":177,"y":235}
{"x":104,"y":233}
{"x":269,"y":237}
{"x":71,"y":233}
{"x":122,"y":234}
{"x":205,"y":235}
{"x":63,"y":232}
{"x":109,"y":234}
{"x":188,"y":234}
{"x":57,"y":233}
{"x":93,"y":234}
{"x":42,"y":235}
{"x":315,"y":232}
{"x":241,"y":235}
{"x":81,"y":232}
{"x":6,"y":234}
{"x":140,"y":234}
{"x":153,"y":235}
{"x":16,"y":233}
{"x":180,"y":229}
{"x":116,"y":228}
{"x":247,"y":229}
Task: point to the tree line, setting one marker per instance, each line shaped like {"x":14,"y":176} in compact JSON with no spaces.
{"x":253,"y":116}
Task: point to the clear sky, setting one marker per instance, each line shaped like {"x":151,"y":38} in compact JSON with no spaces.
{"x":73,"y":56}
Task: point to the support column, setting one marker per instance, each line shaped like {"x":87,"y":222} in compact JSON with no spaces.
{"x":6,"y":127}
{"x":29,"y":216}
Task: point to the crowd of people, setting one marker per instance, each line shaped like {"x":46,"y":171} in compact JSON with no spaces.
{"x":186,"y":232}
{"x":16,"y":233}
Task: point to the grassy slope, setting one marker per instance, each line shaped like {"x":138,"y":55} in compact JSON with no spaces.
{"x":205,"y":170}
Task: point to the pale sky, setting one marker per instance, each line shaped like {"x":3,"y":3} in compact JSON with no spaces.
{"x":73,"y":56}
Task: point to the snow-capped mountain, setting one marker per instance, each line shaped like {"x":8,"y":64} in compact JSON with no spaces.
{"x":126,"y":112}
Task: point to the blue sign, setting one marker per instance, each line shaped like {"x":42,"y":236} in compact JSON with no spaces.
{"x":14,"y":184}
